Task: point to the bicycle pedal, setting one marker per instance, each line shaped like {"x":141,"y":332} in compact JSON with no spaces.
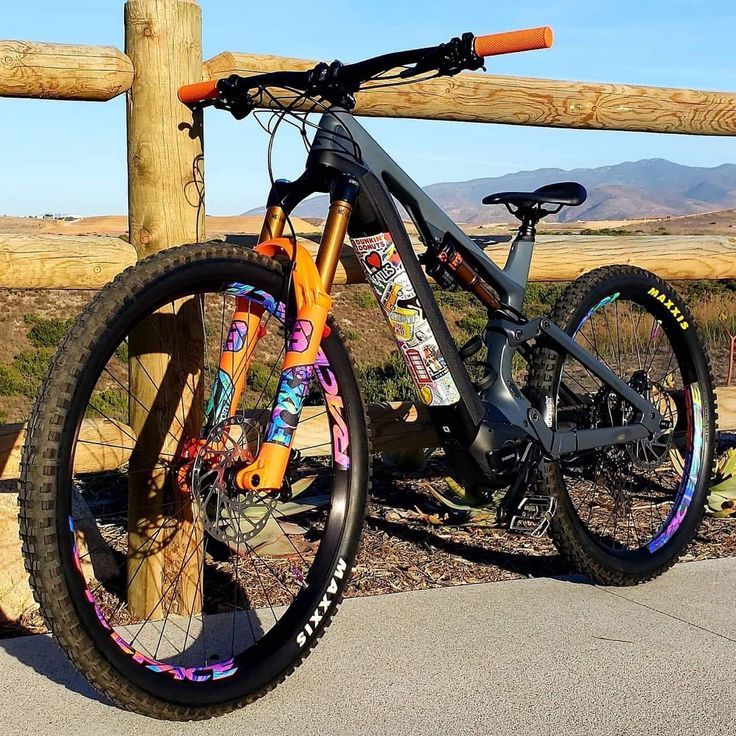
{"x":533,"y":516}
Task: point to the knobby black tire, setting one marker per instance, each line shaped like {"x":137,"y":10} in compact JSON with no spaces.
{"x":569,"y":534}
{"x":42,"y":529}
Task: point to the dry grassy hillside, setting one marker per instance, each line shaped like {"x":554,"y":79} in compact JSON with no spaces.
{"x":721,"y":222}
{"x":118,"y":225}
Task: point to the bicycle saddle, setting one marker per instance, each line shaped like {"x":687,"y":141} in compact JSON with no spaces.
{"x":567,"y":193}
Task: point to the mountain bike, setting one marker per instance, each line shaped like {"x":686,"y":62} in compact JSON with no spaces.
{"x":198,"y":459}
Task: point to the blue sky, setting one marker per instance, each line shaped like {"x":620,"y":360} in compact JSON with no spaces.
{"x":70,"y":157}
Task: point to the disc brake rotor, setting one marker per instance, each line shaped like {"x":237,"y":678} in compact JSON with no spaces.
{"x":649,"y":454}
{"x":230,"y":514}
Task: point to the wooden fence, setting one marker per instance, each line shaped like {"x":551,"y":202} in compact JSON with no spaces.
{"x":163,"y":50}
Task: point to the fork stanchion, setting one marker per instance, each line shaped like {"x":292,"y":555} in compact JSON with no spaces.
{"x":166,"y":204}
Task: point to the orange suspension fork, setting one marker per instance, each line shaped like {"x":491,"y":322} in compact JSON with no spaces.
{"x":312,"y":283}
{"x":245,"y":332}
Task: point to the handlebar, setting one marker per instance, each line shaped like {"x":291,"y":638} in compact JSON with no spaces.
{"x":338,"y":83}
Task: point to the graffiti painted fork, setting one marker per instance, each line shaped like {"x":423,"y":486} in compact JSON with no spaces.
{"x":305,"y":337}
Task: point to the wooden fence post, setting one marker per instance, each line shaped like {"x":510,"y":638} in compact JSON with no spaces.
{"x":163,"y":39}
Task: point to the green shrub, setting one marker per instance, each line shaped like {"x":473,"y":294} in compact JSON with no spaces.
{"x":605,"y":231}
{"x":11,"y":382}
{"x":260,"y":379}
{"x":473,"y":323}
{"x":111,"y":403}
{"x":350,"y":334}
{"x":458,"y":300}
{"x":46,"y":333}
{"x":122,"y":353}
{"x":387,"y":382}
{"x":362,"y":298}
{"x":31,"y":365}
{"x":540,"y":298}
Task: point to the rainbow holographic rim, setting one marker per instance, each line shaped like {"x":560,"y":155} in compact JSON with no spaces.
{"x":602,"y":303}
{"x":206,"y":673}
{"x":694,"y":456}
{"x":341,"y":458}
{"x":693,"y":465}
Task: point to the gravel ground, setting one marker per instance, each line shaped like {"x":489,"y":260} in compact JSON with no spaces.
{"x":412,"y":542}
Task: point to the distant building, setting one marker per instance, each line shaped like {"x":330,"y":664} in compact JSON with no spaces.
{"x":57,"y":216}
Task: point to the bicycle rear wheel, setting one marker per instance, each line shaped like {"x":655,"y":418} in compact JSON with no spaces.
{"x":626,"y":512}
{"x":202,"y":603}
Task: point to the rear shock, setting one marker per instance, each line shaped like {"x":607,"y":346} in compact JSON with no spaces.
{"x":447,"y":266}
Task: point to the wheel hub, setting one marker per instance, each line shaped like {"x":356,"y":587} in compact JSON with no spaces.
{"x":230,"y":514}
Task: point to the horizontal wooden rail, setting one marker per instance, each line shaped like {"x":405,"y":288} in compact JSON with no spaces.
{"x":563,"y":258}
{"x":103,"y":445}
{"x":82,"y":262}
{"x":106,"y":445}
{"x":403,"y":424}
{"x":57,"y":71}
{"x":485,"y":98}
{"x":672,"y":257}
{"x":62,"y":261}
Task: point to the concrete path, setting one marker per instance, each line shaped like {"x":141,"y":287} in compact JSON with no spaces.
{"x":524,"y":658}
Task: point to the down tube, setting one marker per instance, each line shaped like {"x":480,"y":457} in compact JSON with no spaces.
{"x":387,"y":276}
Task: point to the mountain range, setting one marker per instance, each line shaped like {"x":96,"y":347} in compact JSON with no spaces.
{"x":627,"y":191}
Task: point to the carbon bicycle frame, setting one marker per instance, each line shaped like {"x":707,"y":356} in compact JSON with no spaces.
{"x":363,"y":181}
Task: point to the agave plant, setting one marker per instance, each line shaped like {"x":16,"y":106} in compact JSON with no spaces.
{"x":279,"y":536}
{"x":480,"y":511}
{"x":722,"y":499}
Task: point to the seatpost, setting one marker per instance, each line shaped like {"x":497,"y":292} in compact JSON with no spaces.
{"x":528,"y":227}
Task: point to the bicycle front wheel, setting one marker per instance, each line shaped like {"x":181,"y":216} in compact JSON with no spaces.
{"x":174,"y":592}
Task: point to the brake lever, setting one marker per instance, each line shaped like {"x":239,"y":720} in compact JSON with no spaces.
{"x":238,"y":102}
{"x":448,"y":59}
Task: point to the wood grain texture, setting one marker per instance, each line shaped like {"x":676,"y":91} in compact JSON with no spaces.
{"x":57,"y":71}
{"x":563,"y":258}
{"x":407,"y":425}
{"x":163,"y":38}
{"x":103,"y":445}
{"x":484,"y":98}
{"x":726,"y":399}
{"x":62,"y":261}
{"x":672,"y":257}
{"x":81,"y":262}
{"x":106,"y":445}
{"x":392,"y":423}
{"x":403,"y":425}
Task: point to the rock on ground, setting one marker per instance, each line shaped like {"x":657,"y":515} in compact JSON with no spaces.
{"x":16,"y":598}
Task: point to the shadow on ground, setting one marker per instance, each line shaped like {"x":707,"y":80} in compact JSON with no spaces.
{"x":43,"y":655}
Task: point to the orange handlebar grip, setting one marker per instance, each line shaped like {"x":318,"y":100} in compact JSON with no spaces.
{"x":191,"y":94}
{"x":514,"y":41}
